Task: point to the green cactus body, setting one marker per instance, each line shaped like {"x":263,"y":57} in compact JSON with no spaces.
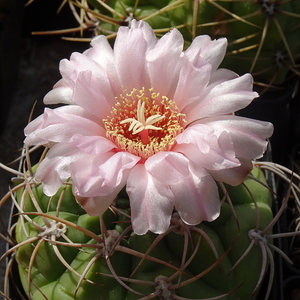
{"x":263,"y":35}
{"x":66,"y":256}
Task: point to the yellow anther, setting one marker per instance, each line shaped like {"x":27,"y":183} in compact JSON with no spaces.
{"x":140,"y":124}
{"x":140,"y":136}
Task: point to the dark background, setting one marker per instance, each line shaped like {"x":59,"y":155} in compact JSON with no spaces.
{"x":28,"y":65}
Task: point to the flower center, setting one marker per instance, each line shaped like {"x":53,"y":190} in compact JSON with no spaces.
{"x":144,"y":123}
{"x":141,"y":125}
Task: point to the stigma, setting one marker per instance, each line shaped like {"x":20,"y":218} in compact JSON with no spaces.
{"x":141,"y":124}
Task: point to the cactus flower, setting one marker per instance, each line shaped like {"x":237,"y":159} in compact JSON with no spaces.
{"x":153,"y":117}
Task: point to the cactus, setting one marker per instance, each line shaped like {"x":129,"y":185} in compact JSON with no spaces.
{"x":62,"y":253}
{"x":263,"y":35}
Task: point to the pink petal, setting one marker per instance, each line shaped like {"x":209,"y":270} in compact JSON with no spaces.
{"x":95,"y":206}
{"x":210,"y":51}
{"x":200,"y":135}
{"x":102,"y":53}
{"x":61,"y":94}
{"x":216,"y":153}
{"x":147,"y":31}
{"x":151,"y":202}
{"x":168,"y":167}
{"x":59,"y":125}
{"x":70,"y":69}
{"x":223,"y":98}
{"x":233,"y":176}
{"x":98,"y":98}
{"x":164,"y":62}
{"x":96,"y":145}
{"x":221,"y":75}
{"x":248,"y":135}
{"x":192,"y":80}
{"x":197,"y":199}
{"x":54,"y":169}
{"x":100,"y":175}
{"x":130,"y":52}
{"x":85,"y":175}
{"x":112,"y":170}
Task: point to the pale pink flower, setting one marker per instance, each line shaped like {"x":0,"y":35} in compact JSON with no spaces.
{"x":153,"y":117}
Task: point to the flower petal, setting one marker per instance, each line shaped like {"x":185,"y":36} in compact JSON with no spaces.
{"x":130,"y":60}
{"x":174,"y":166}
{"x":248,"y":135}
{"x":98,"y":99}
{"x":208,"y":148}
{"x":102,"y":53}
{"x":78,"y":63}
{"x":233,"y":176}
{"x":147,"y":31}
{"x":164,"y":61}
{"x":198,"y":199}
{"x":60,"y":94}
{"x":54,"y":169}
{"x":85,"y":175}
{"x":223,"y":98}
{"x":96,"y":145}
{"x":100,"y":175}
{"x":95,"y":206}
{"x":112,"y":170}
{"x":210,"y":51}
{"x":151,"y":202}
{"x":53,"y":126}
{"x":192,"y":80}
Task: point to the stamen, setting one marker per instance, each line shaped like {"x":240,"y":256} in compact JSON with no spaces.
{"x":142,"y":110}
{"x":141,"y":125}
